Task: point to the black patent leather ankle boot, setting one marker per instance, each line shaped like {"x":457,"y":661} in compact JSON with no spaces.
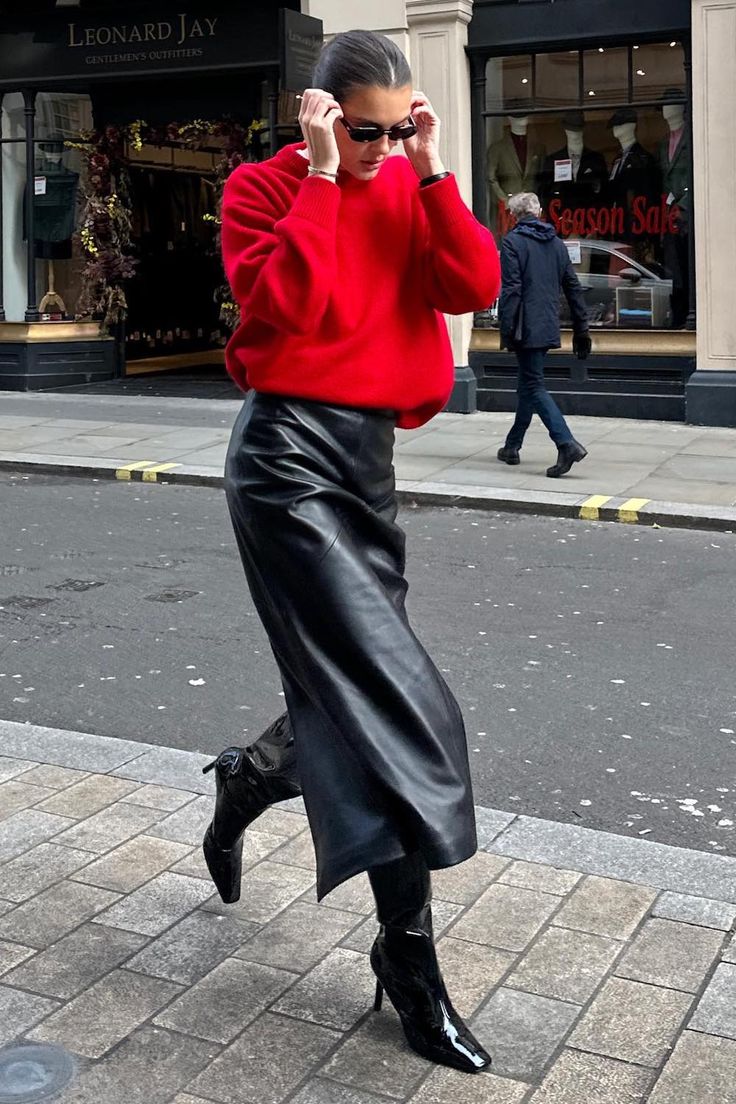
{"x":247,"y":781}
{"x":405,"y":963}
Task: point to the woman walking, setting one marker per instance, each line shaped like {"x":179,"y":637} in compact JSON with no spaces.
{"x":342,"y":259}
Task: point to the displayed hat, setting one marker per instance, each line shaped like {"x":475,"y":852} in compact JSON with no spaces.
{"x":623,"y":115}
{"x":573,"y":120}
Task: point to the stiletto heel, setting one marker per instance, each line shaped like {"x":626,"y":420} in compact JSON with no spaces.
{"x":404,"y":961}
{"x":378,"y":1003}
{"x":209,"y":767}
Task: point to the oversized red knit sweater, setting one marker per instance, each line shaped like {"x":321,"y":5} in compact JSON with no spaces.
{"x":341,"y":288}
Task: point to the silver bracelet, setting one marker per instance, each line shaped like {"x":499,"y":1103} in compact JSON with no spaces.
{"x":322,"y":172}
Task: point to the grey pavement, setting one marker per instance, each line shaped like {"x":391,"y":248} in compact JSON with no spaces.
{"x":655,"y":472}
{"x":598,"y":970}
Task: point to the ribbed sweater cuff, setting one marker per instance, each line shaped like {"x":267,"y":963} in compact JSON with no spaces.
{"x":443,"y":202}
{"x":318,"y":201}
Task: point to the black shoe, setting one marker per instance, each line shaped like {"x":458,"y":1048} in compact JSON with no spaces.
{"x":247,"y":780}
{"x":567,"y":455}
{"x":508,"y":455}
{"x":405,"y":963}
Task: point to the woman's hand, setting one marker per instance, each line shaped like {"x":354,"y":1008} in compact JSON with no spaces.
{"x":317,"y":117}
{"x":423,"y":150}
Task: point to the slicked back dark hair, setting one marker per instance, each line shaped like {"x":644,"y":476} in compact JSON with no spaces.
{"x":360,"y":59}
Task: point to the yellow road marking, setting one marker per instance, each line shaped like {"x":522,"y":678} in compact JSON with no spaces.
{"x":629,"y":511}
{"x":125,"y":472}
{"x":150,"y":474}
{"x":590,"y":508}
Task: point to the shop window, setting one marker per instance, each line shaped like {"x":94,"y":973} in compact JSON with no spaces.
{"x":509,"y":83}
{"x":606,"y":75}
{"x":557,"y":79}
{"x":615,"y":184}
{"x":657,"y":70}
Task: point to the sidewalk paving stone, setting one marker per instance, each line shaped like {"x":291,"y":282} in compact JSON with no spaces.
{"x":298,"y":851}
{"x":695,"y":910}
{"x":61,"y":748}
{"x":14,"y":768}
{"x":700,"y":1071}
{"x":716,"y":1012}
{"x":44,"y":919}
{"x":157,"y":905}
{"x":352,"y":896}
{"x":448,"y":1086}
{"x":321,"y":1091}
{"x":465,"y":882}
{"x":105,"y":1014}
{"x":147,"y":1068}
{"x":76,"y":962}
{"x":266,"y":1062}
{"x":523,"y":1031}
{"x":543,"y":878}
{"x":12,"y":954}
{"x":678,"y":956}
{"x":20,"y":1011}
{"x":376,"y":1058}
{"x":604,"y":907}
{"x":505,"y":917}
{"x":85,"y":798}
{"x":37,"y":869}
{"x":266,"y":889}
{"x":578,"y":1078}
{"x":55,"y":778}
{"x":564,"y":964}
{"x":25,"y":829}
{"x":169,"y":767}
{"x":153,"y":796}
{"x":222,"y":1003}
{"x":132,"y":864}
{"x":187,"y":824}
{"x":634,"y":1022}
{"x":299,"y":937}
{"x":107,"y":829}
{"x":193,"y":947}
{"x":335,"y":993}
{"x":16,"y":795}
{"x":471,"y":971}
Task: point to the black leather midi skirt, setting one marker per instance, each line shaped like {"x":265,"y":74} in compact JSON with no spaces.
{"x":380,"y":743}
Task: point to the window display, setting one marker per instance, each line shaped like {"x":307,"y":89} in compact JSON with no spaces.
{"x":612,"y":172}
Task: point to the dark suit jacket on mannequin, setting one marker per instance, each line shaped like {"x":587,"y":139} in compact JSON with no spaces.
{"x":633,"y":174}
{"x":585,"y":191}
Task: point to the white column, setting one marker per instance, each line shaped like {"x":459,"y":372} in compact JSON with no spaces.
{"x":438,"y":34}
{"x":711,"y":389}
{"x":387,"y":17}
{"x":14,"y":177}
{"x":714,"y":161}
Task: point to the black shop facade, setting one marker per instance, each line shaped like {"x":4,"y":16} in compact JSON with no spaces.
{"x":588,"y":104}
{"x":121,"y":124}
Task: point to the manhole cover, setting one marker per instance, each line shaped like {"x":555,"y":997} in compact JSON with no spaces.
{"x":172,"y":596}
{"x":33,"y":1072}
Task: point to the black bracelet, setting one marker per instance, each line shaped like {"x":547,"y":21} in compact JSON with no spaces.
{"x":433,"y":179}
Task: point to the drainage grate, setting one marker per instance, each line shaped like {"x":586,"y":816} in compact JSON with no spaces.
{"x":33,"y":1072}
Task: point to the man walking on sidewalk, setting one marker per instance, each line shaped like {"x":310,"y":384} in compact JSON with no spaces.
{"x":535,"y":266}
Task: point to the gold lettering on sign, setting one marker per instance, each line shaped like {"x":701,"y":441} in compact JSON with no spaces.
{"x":122,"y":33}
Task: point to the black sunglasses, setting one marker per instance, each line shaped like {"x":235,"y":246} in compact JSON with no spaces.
{"x":372,"y":133}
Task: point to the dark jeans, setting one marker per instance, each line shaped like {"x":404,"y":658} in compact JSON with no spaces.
{"x":534,"y":398}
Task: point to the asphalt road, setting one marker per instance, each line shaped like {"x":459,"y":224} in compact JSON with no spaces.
{"x":594,"y":662}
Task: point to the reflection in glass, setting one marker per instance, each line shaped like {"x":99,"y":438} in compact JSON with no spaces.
{"x":658,"y":67}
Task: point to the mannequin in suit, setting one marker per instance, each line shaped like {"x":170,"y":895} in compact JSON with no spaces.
{"x":674,"y":164}
{"x":634,"y":173}
{"x":588,"y":170}
{"x":514,"y":163}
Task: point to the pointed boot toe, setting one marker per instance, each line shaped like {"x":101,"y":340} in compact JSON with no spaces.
{"x":225,"y":866}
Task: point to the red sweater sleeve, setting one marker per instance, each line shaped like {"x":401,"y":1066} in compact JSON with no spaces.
{"x":462,"y":271}
{"x":280,"y":263}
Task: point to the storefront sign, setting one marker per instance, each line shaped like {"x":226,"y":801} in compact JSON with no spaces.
{"x":301,"y":43}
{"x":95,"y":45}
{"x":642,"y":219}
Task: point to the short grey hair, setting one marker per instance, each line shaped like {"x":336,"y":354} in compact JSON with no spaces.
{"x":524,"y":205}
